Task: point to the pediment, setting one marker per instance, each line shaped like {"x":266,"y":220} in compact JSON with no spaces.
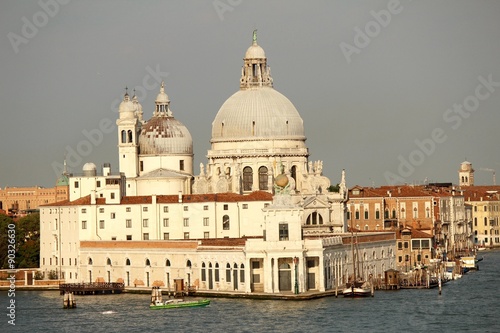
{"x":315,"y":202}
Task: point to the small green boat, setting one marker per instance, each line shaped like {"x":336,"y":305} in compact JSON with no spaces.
{"x":178,"y":303}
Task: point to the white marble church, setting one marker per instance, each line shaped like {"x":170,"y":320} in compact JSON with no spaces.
{"x":259,"y":216}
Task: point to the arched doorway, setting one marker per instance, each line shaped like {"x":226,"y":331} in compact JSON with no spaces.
{"x":285,"y":277}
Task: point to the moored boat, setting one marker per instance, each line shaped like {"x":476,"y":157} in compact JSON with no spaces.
{"x":357,"y":289}
{"x":178,"y":303}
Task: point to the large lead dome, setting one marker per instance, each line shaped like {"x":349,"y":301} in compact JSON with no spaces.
{"x":257,"y":111}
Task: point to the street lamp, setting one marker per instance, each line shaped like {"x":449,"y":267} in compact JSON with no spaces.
{"x":296,"y":261}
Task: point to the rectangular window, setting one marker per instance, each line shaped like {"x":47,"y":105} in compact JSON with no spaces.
{"x":415,"y":244}
{"x":76,"y":185}
{"x":98,"y":183}
{"x":206,"y":234}
{"x":145,"y":223}
{"x":181,"y":165}
{"x":101,"y":224}
{"x":186,"y":222}
{"x":205,"y":207}
{"x":186,"y":235}
{"x":141,"y":165}
{"x":186,"y":208}
{"x":128,"y":210}
{"x":144,"y":209}
{"x":255,"y":264}
{"x":205,"y":221}
{"x":226,"y":207}
{"x":245,"y":206}
{"x":145,"y":236}
{"x":101,"y":210}
{"x":112,"y":195}
{"x":400,"y":245}
{"x":166,"y":236}
{"x":84,"y":224}
{"x":129,"y":237}
{"x":165,"y":222}
{"x":113,"y":238}
{"x":165,"y":209}
{"x":128,"y":223}
{"x":425,"y":244}
{"x":283,"y":231}
{"x":113,"y":215}
{"x":84,"y":210}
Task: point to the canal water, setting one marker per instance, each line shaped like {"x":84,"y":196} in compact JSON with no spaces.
{"x":470,"y":304}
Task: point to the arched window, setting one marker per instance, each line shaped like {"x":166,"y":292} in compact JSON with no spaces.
{"x":203,"y":272}
{"x":242,"y":273}
{"x":386,"y":214}
{"x":247,"y":178}
{"x":124,"y":136}
{"x":148,"y":263}
{"x":167,"y":263}
{"x":293,"y":173}
{"x":393,"y":213}
{"x":188,"y":264}
{"x":90,"y":261}
{"x":217,"y":272}
{"x":129,"y":136}
{"x":228,"y":272}
{"x":108,"y":262}
{"x":314,"y":218}
{"x":263,"y":177}
{"x":127,"y":262}
{"x":225,"y":222}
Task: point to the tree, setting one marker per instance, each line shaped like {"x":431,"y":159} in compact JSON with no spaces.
{"x":334,"y":188}
{"x":27,"y":245}
{"x":4,"y":225}
{"x":28,"y":241}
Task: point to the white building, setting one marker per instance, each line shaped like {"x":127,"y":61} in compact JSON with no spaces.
{"x":258,"y":218}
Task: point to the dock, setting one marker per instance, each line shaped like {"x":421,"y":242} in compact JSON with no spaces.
{"x":95,"y":288}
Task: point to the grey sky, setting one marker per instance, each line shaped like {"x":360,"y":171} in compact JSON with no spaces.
{"x":362,"y":112}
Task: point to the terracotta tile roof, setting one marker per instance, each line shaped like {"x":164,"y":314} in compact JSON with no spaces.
{"x":186,"y":198}
{"x":414,"y":233}
{"x":392,"y":191}
{"x":475,"y":193}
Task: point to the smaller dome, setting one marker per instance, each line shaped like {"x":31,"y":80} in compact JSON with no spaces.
{"x":126,"y":108}
{"x":255,"y":52}
{"x":89,"y":167}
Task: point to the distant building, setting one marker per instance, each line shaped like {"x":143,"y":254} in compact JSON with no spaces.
{"x":484,"y":202}
{"x":19,"y":200}
{"x":257,"y":218}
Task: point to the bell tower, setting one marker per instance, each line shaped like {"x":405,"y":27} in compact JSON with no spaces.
{"x":466,"y":174}
{"x":128,"y":129}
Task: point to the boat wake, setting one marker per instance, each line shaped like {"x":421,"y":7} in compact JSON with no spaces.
{"x":108,"y":312}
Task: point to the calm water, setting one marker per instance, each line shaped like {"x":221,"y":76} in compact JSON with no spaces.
{"x":469,"y":304}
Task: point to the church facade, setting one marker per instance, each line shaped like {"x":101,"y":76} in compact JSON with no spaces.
{"x":258,"y":217}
